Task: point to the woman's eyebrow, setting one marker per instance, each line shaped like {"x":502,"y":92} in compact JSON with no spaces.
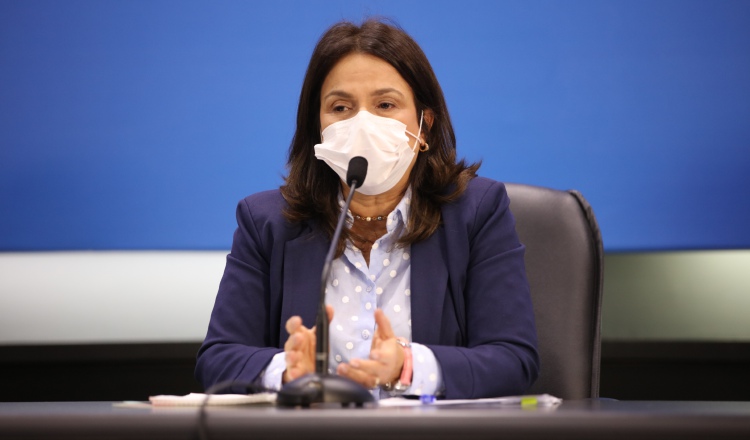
{"x":387,"y":90}
{"x":347,"y":95}
{"x":339,"y":93}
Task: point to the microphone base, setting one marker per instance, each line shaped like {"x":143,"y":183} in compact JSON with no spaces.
{"x":325,"y":389}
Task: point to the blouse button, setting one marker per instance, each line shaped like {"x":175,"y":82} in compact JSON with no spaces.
{"x":365,"y":334}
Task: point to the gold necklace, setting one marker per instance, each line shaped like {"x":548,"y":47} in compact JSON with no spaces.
{"x":379,"y":218}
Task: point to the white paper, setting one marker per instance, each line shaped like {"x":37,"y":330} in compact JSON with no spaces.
{"x":539,"y":400}
{"x":196,"y":399}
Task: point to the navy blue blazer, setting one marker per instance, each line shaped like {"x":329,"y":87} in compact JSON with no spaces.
{"x":470,"y":297}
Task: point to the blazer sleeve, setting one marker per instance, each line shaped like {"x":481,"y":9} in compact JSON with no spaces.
{"x":239,"y":342}
{"x":498,"y":355}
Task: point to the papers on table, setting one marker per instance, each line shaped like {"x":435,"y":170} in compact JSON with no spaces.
{"x":197,"y":399}
{"x":539,"y":400}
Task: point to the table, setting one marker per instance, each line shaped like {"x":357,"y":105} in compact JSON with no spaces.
{"x":584,"y":419}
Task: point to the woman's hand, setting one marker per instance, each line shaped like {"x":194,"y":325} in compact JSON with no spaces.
{"x":300,"y":348}
{"x":386,"y":358}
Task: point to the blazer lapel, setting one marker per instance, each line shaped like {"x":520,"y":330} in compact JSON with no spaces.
{"x":303,"y":266}
{"x":429,"y":283}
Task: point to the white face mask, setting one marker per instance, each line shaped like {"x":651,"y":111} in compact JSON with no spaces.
{"x":382,"y":141}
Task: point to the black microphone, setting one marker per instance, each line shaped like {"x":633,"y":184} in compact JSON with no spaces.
{"x":321,"y":387}
{"x":355,"y":175}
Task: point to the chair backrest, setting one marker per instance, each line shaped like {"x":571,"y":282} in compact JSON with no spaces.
{"x":564,"y":264}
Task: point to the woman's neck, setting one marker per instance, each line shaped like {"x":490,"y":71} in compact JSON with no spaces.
{"x":366,"y":232}
{"x":377,"y":205}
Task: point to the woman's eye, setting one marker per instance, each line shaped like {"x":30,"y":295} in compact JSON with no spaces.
{"x":385,"y":105}
{"x":339,"y":108}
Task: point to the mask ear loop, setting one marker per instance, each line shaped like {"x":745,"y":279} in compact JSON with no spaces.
{"x":423,"y":146}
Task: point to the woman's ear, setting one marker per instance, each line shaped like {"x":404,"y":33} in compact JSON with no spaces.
{"x":429,"y":118}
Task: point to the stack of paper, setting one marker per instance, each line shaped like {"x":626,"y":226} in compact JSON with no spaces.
{"x":197,"y":399}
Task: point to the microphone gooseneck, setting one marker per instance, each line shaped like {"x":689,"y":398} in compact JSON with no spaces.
{"x":355,"y":175}
{"x":322,"y":387}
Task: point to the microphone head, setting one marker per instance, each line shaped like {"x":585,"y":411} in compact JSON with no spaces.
{"x":357,"y":171}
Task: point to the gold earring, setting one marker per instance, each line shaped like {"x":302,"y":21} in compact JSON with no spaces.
{"x":424,"y":147}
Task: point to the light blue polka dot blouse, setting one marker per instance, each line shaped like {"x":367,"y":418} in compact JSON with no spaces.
{"x":355,"y":290}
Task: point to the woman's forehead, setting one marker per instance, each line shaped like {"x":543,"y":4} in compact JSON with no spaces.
{"x":363,"y":71}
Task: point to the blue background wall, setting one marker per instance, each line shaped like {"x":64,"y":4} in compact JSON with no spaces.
{"x":138,"y":125}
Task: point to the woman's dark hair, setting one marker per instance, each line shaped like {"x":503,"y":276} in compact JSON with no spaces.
{"x":311,"y":187}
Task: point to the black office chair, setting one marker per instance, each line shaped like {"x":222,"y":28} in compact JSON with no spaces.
{"x":564,"y":263}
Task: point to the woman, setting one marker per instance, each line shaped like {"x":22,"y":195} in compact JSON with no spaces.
{"x":428,"y":291}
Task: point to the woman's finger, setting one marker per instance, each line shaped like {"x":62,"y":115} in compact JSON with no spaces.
{"x":292,"y":343}
{"x":384,"y":330}
{"x":311,"y":339}
{"x":390,"y":356}
{"x":293,"y":324}
{"x":359,"y":375}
